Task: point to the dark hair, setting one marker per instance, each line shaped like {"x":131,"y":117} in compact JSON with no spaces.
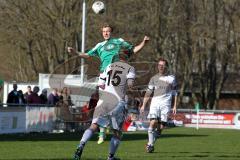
{"x":105,"y":25}
{"x":164,"y":60}
{"x":35,"y":89}
{"x":20,"y":91}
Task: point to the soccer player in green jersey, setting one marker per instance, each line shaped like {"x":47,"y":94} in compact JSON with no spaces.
{"x":108,"y":51}
{"x":109,"y":48}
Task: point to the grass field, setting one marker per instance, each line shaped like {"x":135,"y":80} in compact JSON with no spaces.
{"x":175,"y":144}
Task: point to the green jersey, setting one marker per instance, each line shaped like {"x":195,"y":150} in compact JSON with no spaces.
{"x":107,"y":51}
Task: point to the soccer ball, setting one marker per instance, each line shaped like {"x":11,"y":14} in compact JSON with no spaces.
{"x":98,"y":7}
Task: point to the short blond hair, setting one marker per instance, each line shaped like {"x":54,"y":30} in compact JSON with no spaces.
{"x":105,"y":25}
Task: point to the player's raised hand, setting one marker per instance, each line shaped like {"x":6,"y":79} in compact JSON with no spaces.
{"x":71,"y":50}
{"x":146,"y":39}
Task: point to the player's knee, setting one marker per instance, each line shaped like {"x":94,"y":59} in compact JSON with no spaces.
{"x":94,"y":127}
{"x":153,"y":122}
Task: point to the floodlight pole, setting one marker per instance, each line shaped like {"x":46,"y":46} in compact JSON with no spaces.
{"x":83,"y":40}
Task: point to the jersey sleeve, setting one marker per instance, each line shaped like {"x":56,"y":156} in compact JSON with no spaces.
{"x":94,"y":50}
{"x":126,"y":45}
{"x":131,"y":76}
{"x":131,"y":73}
{"x":151,"y":84}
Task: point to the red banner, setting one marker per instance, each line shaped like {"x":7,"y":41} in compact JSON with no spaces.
{"x":218,"y":120}
{"x":206,"y":118}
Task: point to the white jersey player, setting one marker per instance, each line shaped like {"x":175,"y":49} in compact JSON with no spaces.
{"x":110,"y":109}
{"x":163,"y":87}
{"x":114,"y":80}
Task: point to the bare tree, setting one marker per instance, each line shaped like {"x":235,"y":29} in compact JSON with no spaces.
{"x":200,"y":38}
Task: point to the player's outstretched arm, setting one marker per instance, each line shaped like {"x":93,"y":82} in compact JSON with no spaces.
{"x":141,"y":45}
{"x":73,"y":51}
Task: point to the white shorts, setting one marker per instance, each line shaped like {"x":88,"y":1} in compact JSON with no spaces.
{"x":159,"y":112}
{"x":114,"y":119}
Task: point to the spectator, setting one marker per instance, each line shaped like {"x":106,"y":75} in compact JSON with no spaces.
{"x":28,"y":93}
{"x":60,"y":97}
{"x":53,"y":97}
{"x":66,"y":96}
{"x":43,"y":96}
{"x":93,"y":102}
{"x":94,"y":99}
{"x":1,"y":86}
{"x":13,"y":95}
{"x":133,"y":104}
{"x":21,"y":97}
{"x":85,"y":112}
{"x":34,"y":98}
{"x":64,"y":103}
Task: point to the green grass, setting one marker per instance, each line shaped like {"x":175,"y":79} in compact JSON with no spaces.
{"x":175,"y":144}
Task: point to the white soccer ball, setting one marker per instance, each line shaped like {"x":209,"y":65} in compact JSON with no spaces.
{"x":98,"y":7}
